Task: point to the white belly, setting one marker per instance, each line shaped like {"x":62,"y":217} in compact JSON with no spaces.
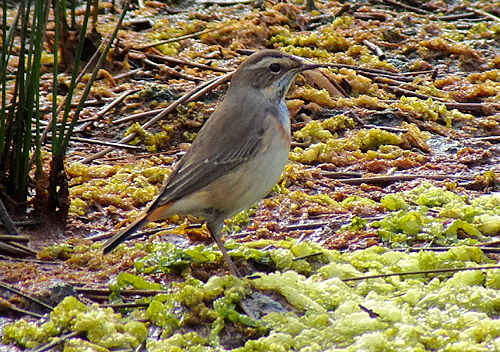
{"x":245,"y":184}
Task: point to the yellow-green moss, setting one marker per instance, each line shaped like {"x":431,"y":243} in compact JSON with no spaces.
{"x":329,"y":39}
{"x":152,"y":141}
{"x":323,"y":129}
{"x":122,"y":186}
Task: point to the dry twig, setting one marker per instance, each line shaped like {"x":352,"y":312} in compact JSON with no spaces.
{"x":421,"y":272}
{"x":17,"y":292}
{"x":191,"y":95}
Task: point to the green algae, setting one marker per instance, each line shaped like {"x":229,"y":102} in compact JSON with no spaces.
{"x":102,"y":327}
{"x":355,"y":145}
{"x":477,"y":217}
{"x":396,"y":313}
{"x":122,"y":186}
{"x":153,"y":141}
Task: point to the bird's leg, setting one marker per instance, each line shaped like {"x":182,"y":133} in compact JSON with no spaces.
{"x":216,"y":236}
{"x":215,"y":233}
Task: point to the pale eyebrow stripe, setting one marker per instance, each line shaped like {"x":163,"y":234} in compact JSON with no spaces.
{"x":266,"y":61}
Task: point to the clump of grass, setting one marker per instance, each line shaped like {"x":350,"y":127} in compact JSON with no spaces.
{"x":21,"y":139}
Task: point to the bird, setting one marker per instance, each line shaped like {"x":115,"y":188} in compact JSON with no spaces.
{"x":237,"y":156}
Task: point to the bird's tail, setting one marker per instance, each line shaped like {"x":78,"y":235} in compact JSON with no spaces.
{"x":122,"y":235}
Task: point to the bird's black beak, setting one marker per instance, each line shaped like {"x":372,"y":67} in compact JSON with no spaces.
{"x":306,"y":67}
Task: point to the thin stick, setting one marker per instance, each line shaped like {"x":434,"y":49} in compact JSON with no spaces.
{"x":11,"y":289}
{"x":91,"y":102}
{"x":458,"y":16}
{"x":109,"y":144}
{"x":6,"y":220}
{"x":422,"y":272}
{"x":115,"y":102}
{"x":58,"y":341}
{"x":14,"y":238}
{"x":366,"y":69}
{"x":107,"y":291}
{"x":444,"y":249}
{"x":397,"y":178}
{"x":147,"y":155}
{"x":20,"y":310}
{"x":137,"y":116}
{"x":187,"y":63}
{"x":307,"y":256}
{"x":10,"y":249}
{"x":138,"y":234}
{"x":485,"y":14}
{"x":407,"y":7}
{"x":42,"y":262}
{"x":488,"y":138}
{"x":375,"y":48}
{"x":20,"y":247}
{"x":202,"y":89}
{"x":124,"y":305}
{"x":127,"y":74}
{"x":386,"y":128}
{"x":407,"y":92}
{"x":390,"y":78}
{"x":182,"y":37}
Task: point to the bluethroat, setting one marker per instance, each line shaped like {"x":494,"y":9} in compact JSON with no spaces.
{"x":237,"y":156}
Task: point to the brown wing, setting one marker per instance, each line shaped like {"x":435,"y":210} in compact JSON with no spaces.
{"x":206,"y":161}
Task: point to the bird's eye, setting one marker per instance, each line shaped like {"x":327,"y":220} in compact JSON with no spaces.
{"x":275,"y":68}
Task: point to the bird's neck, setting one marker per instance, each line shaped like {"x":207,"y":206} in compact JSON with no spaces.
{"x":271,"y":94}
